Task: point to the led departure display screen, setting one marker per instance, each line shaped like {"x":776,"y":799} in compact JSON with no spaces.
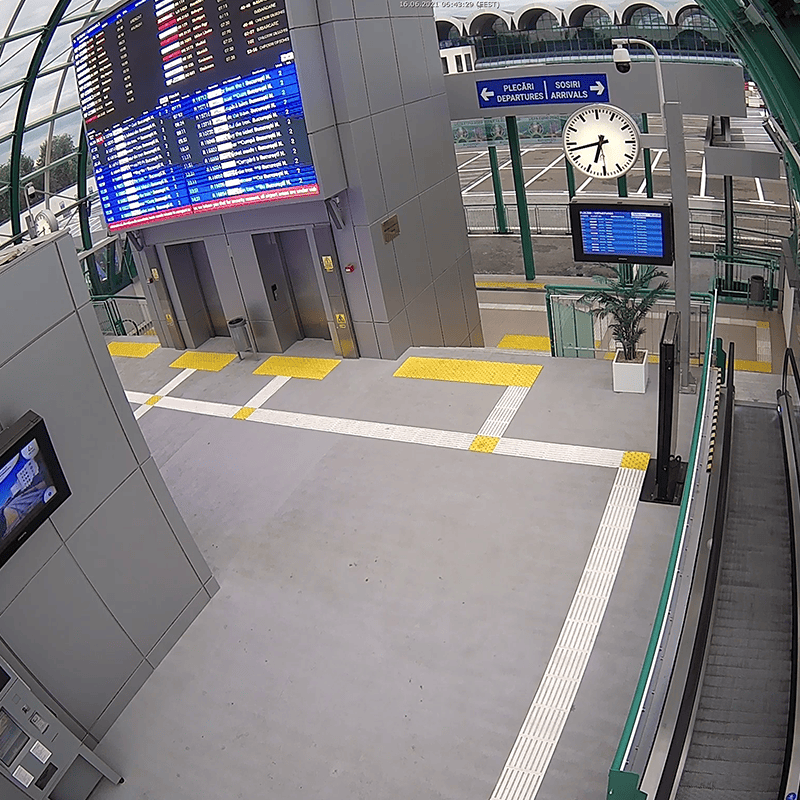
{"x":192,"y":106}
{"x":623,"y":232}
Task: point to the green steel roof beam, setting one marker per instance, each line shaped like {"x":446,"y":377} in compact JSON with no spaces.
{"x":22,"y":110}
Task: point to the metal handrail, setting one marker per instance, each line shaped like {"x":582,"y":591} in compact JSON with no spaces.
{"x":661,"y":617}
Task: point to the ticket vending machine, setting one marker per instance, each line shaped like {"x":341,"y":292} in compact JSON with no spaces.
{"x":39,"y":757}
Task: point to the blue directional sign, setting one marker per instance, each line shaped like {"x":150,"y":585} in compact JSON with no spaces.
{"x":543,"y":90}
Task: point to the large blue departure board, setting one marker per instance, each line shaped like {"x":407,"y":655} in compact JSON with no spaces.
{"x":192,"y":106}
{"x":623,"y":231}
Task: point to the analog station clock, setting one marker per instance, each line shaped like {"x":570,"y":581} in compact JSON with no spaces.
{"x":601,"y":140}
{"x":45,"y":223}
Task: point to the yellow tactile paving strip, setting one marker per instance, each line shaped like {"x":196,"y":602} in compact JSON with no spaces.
{"x":509,"y":285}
{"x":295,"y":367}
{"x":491,"y":373}
{"x":208,"y":362}
{"x":634,"y":460}
{"x":741,"y":365}
{"x":521,"y":342}
{"x":132,"y":349}
{"x":484,"y":444}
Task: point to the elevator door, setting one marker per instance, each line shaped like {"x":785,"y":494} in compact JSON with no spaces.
{"x":300,"y":270}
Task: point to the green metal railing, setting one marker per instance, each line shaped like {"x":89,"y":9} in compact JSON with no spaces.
{"x":625,"y":785}
{"x":735,"y":273}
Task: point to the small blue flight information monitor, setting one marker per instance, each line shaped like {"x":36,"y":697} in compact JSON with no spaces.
{"x":622,"y":232}
{"x":192,"y":106}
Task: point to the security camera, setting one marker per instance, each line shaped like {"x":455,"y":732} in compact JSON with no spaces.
{"x":622,"y":60}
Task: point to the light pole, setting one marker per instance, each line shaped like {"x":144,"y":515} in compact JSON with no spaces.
{"x":676,"y":149}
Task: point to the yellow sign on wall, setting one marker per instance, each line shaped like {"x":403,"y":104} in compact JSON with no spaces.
{"x":327,"y":262}
{"x":341,"y":321}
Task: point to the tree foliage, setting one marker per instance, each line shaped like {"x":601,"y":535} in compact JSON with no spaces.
{"x":627,"y":301}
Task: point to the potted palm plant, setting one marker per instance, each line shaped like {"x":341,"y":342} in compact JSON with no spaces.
{"x":626,"y":300}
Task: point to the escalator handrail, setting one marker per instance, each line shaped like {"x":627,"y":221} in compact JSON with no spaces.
{"x":683,"y":721}
{"x":790,"y":781}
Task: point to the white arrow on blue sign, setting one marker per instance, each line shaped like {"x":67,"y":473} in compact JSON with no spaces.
{"x":542,"y":90}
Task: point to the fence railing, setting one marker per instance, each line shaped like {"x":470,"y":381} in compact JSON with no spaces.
{"x":706,"y":227}
{"x":123,"y":315}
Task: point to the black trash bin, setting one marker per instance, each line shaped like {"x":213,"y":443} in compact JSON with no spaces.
{"x":240,"y":335}
{"x":755,"y":292}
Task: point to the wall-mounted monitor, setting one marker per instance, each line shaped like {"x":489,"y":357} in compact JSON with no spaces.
{"x":32,"y":485}
{"x":623,"y":231}
{"x":192,"y":106}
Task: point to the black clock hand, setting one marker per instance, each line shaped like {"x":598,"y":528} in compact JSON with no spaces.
{"x":599,"y":149}
{"x":583,"y":146}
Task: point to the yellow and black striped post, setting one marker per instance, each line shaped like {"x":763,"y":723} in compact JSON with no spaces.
{"x":713,"y":437}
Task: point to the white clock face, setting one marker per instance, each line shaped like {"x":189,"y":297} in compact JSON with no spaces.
{"x":601,"y":141}
{"x":45,"y":223}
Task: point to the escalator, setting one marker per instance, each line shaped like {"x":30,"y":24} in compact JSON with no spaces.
{"x":738,"y":745}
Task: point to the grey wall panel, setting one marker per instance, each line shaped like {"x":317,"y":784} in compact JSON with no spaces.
{"x":33,"y":277}
{"x":310,"y":60}
{"x":743,"y":163}
{"x":276,"y":283}
{"x":476,"y":337}
{"x":414,"y":81}
{"x":157,"y":581}
{"x":159,"y":490}
{"x":95,"y":657}
{"x":335,"y":9}
{"x":367,"y":339}
{"x":249,"y":276}
{"x":469,"y":291}
{"x":380,"y":64}
{"x":305,"y":286}
{"x":441,"y":227}
{"x":354,"y":282}
{"x":380,"y":273}
{"x":211,"y":587}
{"x":56,"y":377}
{"x":180,"y":260}
{"x":432,"y":58}
{"x":451,"y":307}
{"x":399,"y":338}
{"x":178,"y":628}
{"x":111,"y":381}
{"x":413,"y":263}
{"x":327,"y":154}
{"x":208,"y":287}
{"x":27,"y":561}
{"x":230,"y":295}
{"x":273,"y":216}
{"x":183,"y":230}
{"x":121,"y":699}
{"x":347,"y":81}
{"x":394,"y":154}
{"x":368,"y":201}
{"x":423,"y":320}
{"x":196,"y":329}
{"x":73,"y":270}
{"x":702,"y":89}
{"x":301,"y":13}
{"x":371,"y":8}
{"x":431,"y":147}
{"x":266,"y":336}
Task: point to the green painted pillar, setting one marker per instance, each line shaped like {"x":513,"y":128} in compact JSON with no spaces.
{"x":522,"y":200}
{"x":727,"y":183}
{"x":625,"y":270}
{"x":622,"y":185}
{"x":500,"y":206}
{"x":570,"y":179}
{"x":648,"y":167}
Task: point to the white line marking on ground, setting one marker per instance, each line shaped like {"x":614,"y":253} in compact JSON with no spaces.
{"x":510,"y":306}
{"x":502,"y":414}
{"x":760,"y":190}
{"x":536,"y":743}
{"x":165,"y":390}
{"x":703,"y":178}
{"x":489,"y":174}
{"x":198,"y":406}
{"x":474,"y":158}
{"x":138,"y":397}
{"x":763,"y":345}
{"x":565,"y":453}
{"x":264,"y":394}
{"x":546,"y":169}
{"x":584,"y":185}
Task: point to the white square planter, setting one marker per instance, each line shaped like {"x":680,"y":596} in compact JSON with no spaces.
{"x":629,"y":377}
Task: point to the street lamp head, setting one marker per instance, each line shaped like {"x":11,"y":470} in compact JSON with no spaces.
{"x":622,"y":58}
